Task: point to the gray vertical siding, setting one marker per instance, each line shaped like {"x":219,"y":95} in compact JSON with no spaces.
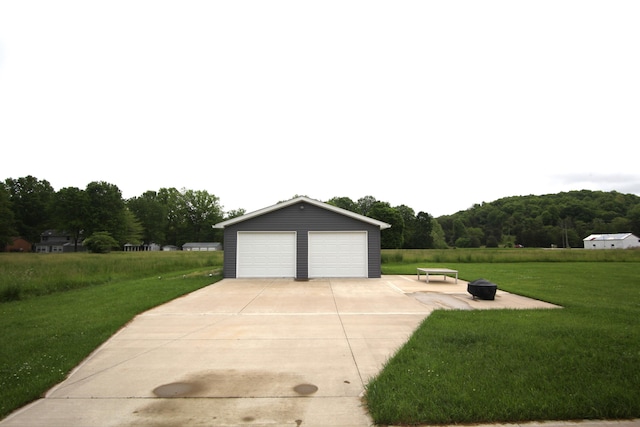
{"x":374,"y":253}
{"x":309,"y":218}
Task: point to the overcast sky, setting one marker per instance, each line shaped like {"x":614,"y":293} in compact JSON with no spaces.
{"x":436,"y":105}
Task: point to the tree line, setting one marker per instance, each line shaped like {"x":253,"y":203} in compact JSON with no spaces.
{"x":560,"y":220}
{"x":29,"y":206}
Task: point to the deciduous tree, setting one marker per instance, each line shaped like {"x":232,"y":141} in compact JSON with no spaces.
{"x":105,"y":210}
{"x":69,"y":212}
{"x":100,"y":242}
{"x":344,"y":203}
{"x":7,"y":229}
{"x":30,"y":198}
{"x":201,"y":210}
{"x":391,"y":238}
{"x":152,"y":214}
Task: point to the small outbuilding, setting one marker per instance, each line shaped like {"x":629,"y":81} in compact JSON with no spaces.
{"x":611,"y":241}
{"x":18,"y":244}
{"x":202,"y":246}
{"x":302,"y":238}
{"x":144,"y":247}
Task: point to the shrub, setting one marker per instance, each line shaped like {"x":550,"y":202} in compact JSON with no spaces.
{"x":100,"y":242}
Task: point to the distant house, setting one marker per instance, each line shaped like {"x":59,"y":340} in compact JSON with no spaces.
{"x":18,"y":244}
{"x":169,"y":248}
{"x":611,"y":241}
{"x":54,"y":241}
{"x":146,"y":247}
{"x":202,"y":246}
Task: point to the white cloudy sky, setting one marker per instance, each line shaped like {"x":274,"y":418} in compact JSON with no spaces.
{"x":437,"y":105}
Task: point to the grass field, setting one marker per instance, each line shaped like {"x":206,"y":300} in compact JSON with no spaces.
{"x":27,"y":275}
{"x":580,"y":362}
{"x":55,"y":326}
{"x":459,"y":366}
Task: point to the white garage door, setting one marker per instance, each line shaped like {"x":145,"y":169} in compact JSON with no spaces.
{"x":338,"y":254}
{"x":266,"y":254}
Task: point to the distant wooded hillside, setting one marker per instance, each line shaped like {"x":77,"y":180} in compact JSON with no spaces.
{"x":562,"y":219}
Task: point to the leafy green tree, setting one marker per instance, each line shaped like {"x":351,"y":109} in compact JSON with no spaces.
{"x":30,"y":199}
{"x":620,"y":224}
{"x":463,"y":242}
{"x":562,"y":219}
{"x":476,"y":236}
{"x":492,"y":242}
{"x":7,"y":229}
{"x":495,"y":220}
{"x":437,"y":235}
{"x":170,"y":200}
{"x":344,"y":203}
{"x":69,"y":212}
{"x":235,"y":213}
{"x":201,"y":210}
{"x":105,"y":210}
{"x":634,"y":219}
{"x":459,"y":230}
{"x":190,"y":215}
{"x":422,"y":238}
{"x":419,"y":235}
{"x":100,"y":242}
{"x":446,"y":224}
{"x":152,"y":214}
{"x":365,"y":204}
{"x":532,"y":233}
{"x":133,"y":229}
{"x":409,"y":220}
{"x":391,"y":238}
{"x":575,"y":239}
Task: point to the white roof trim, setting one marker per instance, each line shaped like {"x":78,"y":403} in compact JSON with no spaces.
{"x":382,"y":225}
{"x":612,"y":236}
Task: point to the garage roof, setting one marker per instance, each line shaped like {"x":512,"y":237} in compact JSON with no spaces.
{"x":614,"y":236}
{"x":382,"y":225}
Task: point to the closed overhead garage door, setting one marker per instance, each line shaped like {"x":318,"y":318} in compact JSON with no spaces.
{"x":338,"y":254}
{"x":266,"y":254}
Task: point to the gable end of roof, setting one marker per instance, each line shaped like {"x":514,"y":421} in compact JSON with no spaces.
{"x":260,"y":212}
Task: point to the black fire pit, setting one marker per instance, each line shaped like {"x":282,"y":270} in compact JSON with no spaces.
{"x":482,"y":289}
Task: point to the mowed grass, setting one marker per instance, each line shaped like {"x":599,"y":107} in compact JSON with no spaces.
{"x":578,"y":362}
{"x":504,"y":365}
{"x":47,"y":333}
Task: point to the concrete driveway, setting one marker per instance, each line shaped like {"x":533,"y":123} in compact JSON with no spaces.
{"x":252,"y":352}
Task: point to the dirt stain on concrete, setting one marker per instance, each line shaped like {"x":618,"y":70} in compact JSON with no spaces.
{"x":305,"y":389}
{"x":227,"y":397}
{"x":180,"y":389}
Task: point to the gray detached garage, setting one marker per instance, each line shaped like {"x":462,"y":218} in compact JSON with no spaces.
{"x":302,"y":238}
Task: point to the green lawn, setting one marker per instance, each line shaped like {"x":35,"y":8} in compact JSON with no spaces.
{"x":459,"y":367}
{"x":47,"y":333}
{"x":516,"y":365}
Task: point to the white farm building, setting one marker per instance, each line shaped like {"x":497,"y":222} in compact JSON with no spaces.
{"x":611,"y":241}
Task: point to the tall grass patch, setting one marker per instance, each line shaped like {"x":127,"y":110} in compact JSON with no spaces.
{"x":484,"y":255}
{"x":28,"y":275}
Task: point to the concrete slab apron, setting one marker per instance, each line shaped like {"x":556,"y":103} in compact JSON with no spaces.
{"x":258,"y":352}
